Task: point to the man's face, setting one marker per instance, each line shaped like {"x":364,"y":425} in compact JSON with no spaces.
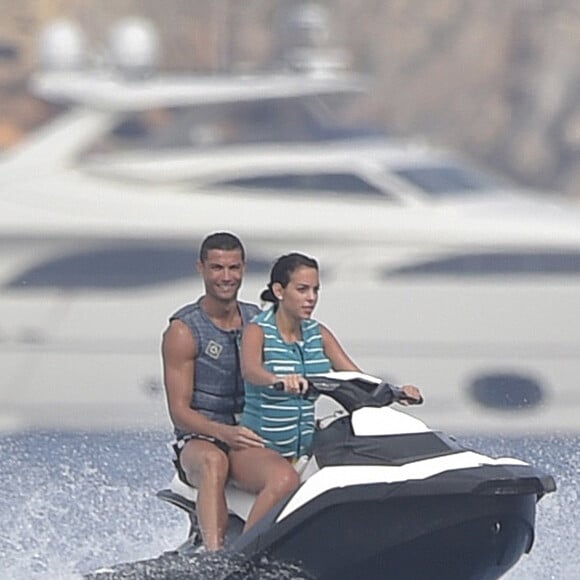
{"x":222,"y":273}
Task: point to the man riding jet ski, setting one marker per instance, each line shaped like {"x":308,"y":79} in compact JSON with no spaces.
{"x":383,"y":496}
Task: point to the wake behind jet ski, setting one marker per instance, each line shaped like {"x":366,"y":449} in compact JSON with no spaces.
{"x":383,"y":496}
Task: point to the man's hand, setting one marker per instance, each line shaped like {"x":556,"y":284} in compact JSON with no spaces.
{"x":238,"y":437}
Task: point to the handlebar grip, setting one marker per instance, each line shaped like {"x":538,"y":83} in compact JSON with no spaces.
{"x":279,"y":386}
{"x":418,"y":401}
{"x":399,"y":394}
{"x":411,"y":400}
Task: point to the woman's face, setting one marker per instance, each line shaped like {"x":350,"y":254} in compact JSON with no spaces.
{"x":299,"y":298}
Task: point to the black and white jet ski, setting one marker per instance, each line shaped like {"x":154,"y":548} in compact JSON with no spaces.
{"x":383,"y":496}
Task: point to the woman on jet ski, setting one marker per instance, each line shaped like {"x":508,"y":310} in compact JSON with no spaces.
{"x":282,"y":346}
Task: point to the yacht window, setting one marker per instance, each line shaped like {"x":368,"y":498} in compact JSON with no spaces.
{"x":494,"y":264}
{"x":119,"y":267}
{"x":447,"y":180}
{"x":510,"y":391}
{"x":285,"y":120}
{"x":9,"y":51}
{"x":335,"y":183}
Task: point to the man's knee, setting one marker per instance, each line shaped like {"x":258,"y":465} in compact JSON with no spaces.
{"x":215,"y":463}
{"x":203,"y":464}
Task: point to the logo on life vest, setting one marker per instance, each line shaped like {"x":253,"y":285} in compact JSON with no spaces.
{"x":213,"y":349}
{"x":283,"y":369}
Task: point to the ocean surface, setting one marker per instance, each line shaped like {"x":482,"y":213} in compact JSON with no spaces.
{"x":74,"y":502}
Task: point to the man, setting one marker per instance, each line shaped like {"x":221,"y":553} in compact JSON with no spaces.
{"x":204,"y":388}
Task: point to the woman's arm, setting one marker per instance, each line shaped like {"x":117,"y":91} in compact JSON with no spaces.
{"x":253,"y":369}
{"x":342,"y":362}
{"x":339,"y":360}
{"x":252,"y":351}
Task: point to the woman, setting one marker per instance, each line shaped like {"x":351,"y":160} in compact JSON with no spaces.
{"x":284,"y":345}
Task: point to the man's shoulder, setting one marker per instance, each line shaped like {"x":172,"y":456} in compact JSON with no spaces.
{"x":249,"y":309}
{"x":185,"y":311}
{"x":193,"y":313}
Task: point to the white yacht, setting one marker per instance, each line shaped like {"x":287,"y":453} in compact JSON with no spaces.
{"x":433,"y":272}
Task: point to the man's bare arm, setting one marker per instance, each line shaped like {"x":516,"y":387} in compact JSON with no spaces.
{"x":179,"y":351}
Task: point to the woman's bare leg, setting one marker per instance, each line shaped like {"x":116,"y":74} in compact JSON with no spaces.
{"x":265,"y":472}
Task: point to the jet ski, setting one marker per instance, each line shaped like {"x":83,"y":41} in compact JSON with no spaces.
{"x":384,"y":496}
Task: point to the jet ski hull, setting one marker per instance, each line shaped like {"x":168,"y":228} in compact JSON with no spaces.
{"x":472,"y":527}
{"x":419,"y":539}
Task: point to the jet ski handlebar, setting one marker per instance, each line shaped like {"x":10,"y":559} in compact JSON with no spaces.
{"x":355,"y":391}
{"x":398,"y":393}
{"x":318,"y":385}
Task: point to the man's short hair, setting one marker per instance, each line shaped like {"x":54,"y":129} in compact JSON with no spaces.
{"x":221,"y":241}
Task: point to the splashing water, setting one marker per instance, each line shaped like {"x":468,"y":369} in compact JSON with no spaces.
{"x":76,"y":502}
{"x":71,"y":503}
{"x":558,"y":514}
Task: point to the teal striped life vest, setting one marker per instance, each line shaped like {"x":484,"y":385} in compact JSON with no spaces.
{"x":285,"y":421}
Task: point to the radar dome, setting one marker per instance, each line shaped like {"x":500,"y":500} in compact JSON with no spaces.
{"x":310,"y":22}
{"x":62,"y":45}
{"x":134,"y":45}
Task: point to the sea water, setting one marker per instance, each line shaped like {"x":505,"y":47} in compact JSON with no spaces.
{"x":74,"y":502}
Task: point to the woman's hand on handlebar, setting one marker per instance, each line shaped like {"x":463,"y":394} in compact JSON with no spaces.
{"x":295,"y":384}
{"x":411,"y":395}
